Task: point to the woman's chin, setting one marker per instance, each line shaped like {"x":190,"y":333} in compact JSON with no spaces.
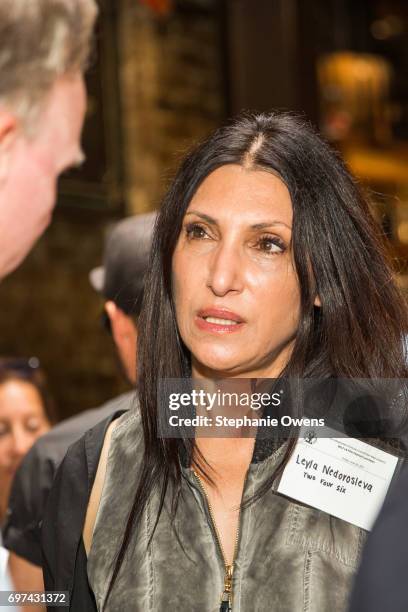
{"x":218,"y":367}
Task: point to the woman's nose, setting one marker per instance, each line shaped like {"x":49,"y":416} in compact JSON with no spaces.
{"x":226,"y":271}
{"x":21,"y":443}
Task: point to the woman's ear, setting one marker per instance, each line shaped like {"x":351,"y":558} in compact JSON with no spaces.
{"x":317,"y":301}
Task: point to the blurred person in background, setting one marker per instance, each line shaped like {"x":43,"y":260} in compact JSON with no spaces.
{"x":121,"y":282}
{"x":44,"y":48}
{"x":26,"y":413}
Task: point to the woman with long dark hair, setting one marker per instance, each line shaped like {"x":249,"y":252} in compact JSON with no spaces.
{"x":266,"y":263}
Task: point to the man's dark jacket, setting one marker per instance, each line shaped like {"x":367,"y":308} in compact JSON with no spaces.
{"x":381,"y":584}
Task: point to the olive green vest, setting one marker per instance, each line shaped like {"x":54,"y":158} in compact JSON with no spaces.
{"x":289,"y":558}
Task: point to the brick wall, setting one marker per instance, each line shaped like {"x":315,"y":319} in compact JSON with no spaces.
{"x":171,"y":75}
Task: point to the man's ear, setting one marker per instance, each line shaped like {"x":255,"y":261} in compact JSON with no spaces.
{"x":113,"y":313}
{"x":124,"y":333}
{"x":120,"y":322}
{"x":8,"y":132}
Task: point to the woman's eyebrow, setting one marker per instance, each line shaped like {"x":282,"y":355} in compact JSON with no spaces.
{"x":202,"y":216}
{"x":269,"y":223}
{"x":257,"y":226}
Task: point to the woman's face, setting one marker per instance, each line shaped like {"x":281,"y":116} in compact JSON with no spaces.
{"x":235,"y":289}
{"x":22,"y":421}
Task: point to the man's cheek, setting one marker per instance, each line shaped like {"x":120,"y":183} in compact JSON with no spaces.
{"x":47,"y":193}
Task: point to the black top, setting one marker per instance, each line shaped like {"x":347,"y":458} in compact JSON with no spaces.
{"x":381,"y":583}
{"x":64,"y":558}
{"x":82,"y":597}
{"x":34,"y":478}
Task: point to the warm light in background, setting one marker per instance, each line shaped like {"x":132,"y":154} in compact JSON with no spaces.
{"x":160,"y":7}
{"x":355,"y":96}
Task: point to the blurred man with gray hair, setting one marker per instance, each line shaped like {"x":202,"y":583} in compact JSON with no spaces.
{"x":44,"y":48}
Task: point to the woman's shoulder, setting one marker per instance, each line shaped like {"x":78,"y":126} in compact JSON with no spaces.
{"x":97,"y":487}
{"x":86,"y":451}
{"x":121,"y":449}
{"x":64,"y":522}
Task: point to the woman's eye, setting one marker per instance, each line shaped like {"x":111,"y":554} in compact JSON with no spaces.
{"x":194,"y":230}
{"x":3,"y":429}
{"x":271,"y":245}
{"x":33,"y":424}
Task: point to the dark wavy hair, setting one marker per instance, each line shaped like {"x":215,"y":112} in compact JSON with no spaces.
{"x":338,"y":251}
{"x":29,"y":371}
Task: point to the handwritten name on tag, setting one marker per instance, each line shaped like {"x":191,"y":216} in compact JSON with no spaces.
{"x":344,"y":477}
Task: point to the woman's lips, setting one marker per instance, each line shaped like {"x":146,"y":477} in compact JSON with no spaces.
{"x":218,"y":321}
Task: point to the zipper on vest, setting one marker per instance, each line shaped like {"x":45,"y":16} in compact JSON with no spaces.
{"x":226,"y":595}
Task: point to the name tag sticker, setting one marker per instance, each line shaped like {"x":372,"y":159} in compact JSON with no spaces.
{"x":344,"y":477}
